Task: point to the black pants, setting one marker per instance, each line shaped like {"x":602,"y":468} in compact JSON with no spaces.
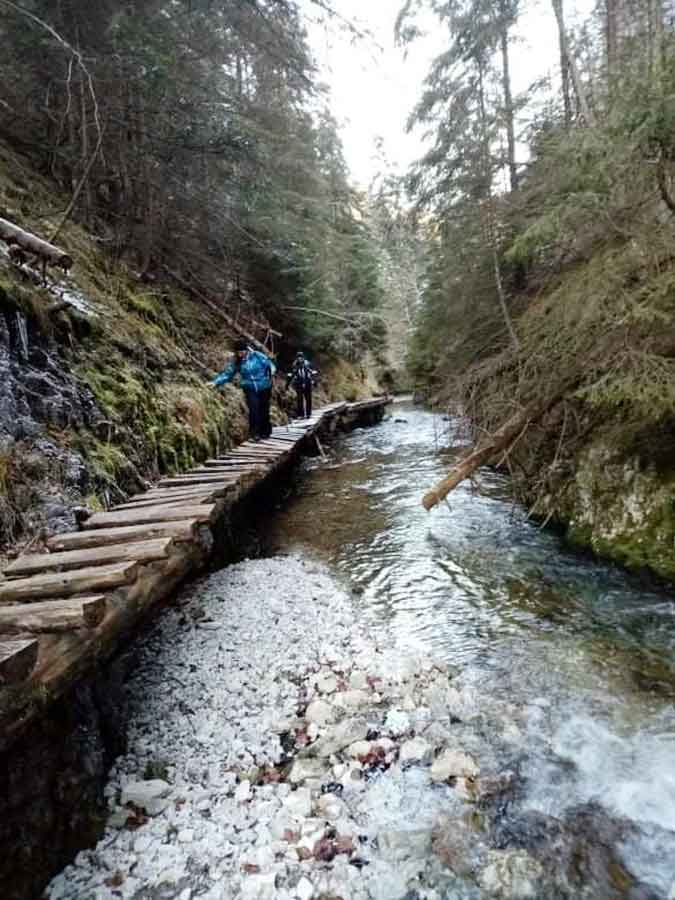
{"x":304,"y":395}
{"x":258,"y":403}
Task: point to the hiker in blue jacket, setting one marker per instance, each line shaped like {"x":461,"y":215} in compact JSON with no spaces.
{"x":255,"y":371}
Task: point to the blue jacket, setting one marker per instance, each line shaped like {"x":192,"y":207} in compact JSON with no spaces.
{"x":255,"y":372}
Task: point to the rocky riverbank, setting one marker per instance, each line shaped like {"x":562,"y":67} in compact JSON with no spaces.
{"x":278,"y":749}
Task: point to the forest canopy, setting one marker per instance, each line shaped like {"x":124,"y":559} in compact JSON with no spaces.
{"x":197,"y":145}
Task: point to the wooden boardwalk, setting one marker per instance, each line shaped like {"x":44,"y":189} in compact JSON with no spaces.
{"x":66,"y":609}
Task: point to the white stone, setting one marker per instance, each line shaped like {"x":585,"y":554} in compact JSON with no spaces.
{"x":259,"y":887}
{"x":320,"y":712}
{"x":340,"y":736}
{"x":405,"y":844}
{"x":511,"y":875}
{"x":397,"y":722}
{"x":149,"y":796}
{"x":243,"y":791}
{"x":284,"y":821}
{"x":330,"y":807}
{"x":453,"y":764}
{"x":360,"y":748}
{"x":118,"y":819}
{"x":351,"y":699}
{"x":142,"y":841}
{"x":304,"y":889}
{"x":358,"y":681}
{"x":326,"y":683}
{"x":416,"y":750}
{"x":306,"y":770}
{"x":299,"y":803}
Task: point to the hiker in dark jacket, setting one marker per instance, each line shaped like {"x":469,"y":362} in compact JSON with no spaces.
{"x":255,"y":371}
{"x":302,"y":376}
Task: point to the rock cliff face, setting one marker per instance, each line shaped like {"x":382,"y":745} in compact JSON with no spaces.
{"x":94,"y":402}
{"x":620,"y":506}
{"x":38,"y":397}
{"x":52,"y":780}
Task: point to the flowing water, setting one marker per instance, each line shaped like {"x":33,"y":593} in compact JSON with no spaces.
{"x":583,"y":651}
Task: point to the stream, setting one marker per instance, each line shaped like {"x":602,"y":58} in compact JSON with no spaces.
{"x":377,"y":703}
{"x":585,"y":648}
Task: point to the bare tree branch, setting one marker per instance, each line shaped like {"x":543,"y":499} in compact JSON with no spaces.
{"x":22,"y":11}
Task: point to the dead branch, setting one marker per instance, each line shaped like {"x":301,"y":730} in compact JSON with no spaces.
{"x":501,"y":441}
{"x":330,"y":315}
{"x":229,"y":321}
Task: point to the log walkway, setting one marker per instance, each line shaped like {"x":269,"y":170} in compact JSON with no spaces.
{"x":65,"y":610}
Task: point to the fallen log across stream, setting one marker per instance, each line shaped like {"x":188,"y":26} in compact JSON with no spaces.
{"x":498,"y":443}
{"x":66,"y":611}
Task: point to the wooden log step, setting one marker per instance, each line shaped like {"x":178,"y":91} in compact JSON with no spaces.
{"x":223,"y":476}
{"x":181,"y":500}
{"x":161,"y":493}
{"x":253,"y":451}
{"x":281,"y":448}
{"x":52,"y":615}
{"x":151,"y":514}
{"x":197,"y":496}
{"x":66,"y":584}
{"x":184,"y":529}
{"x":223,"y":471}
{"x":17,"y":660}
{"x":213,"y":480}
{"x":142,"y":551}
{"x":230,"y":465}
{"x":244,"y":468}
{"x":258,"y":455}
{"x":250,"y":462}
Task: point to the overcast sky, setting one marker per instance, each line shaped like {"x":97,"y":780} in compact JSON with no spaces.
{"x":373,"y":88}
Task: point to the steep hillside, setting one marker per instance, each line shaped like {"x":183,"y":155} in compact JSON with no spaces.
{"x":550,"y":304}
{"x":103,"y":377}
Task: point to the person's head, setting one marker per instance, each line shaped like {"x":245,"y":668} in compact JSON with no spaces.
{"x":299,"y":356}
{"x":240,"y":350}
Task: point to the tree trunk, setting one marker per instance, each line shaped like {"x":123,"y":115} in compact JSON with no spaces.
{"x":508,"y":107}
{"x":611,"y":36}
{"x":564,"y":68}
{"x":655,"y":38}
{"x":490,"y":229}
{"x":582,"y":101}
{"x":84,"y":146}
{"x":500,"y":442}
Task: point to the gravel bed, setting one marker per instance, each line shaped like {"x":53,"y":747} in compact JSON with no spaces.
{"x":278,"y":749}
